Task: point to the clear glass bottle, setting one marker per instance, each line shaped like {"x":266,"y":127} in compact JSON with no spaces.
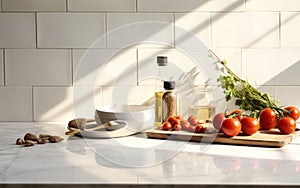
{"x":162,"y":62}
{"x":169,"y":100}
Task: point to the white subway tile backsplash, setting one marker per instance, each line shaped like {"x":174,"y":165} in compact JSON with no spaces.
{"x":188,"y":6}
{"x":245,"y":30}
{"x":17,"y":30}
{"x":16,"y":104}
{"x":271,"y":66}
{"x":38,"y":67}
{"x":47,"y":72}
{"x":288,"y":95}
{"x":70,"y":30}
{"x":272,"y":5}
{"x":290,"y":29}
{"x":105,"y":67}
{"x":192,"y":30}
{"x":1,"y":68}
{"x":65,"y":103}
{"x":140,"y":29}
{"x":34,"y":5}
{"x":102,"y":5}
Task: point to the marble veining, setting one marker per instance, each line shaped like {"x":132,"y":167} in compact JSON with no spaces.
{"x":136,"y":159}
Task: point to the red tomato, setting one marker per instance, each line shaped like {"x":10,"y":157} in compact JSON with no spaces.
{"x":178,"y":117}
{"x":295,"y":113}
{"x":173,"y":121}
{"x":267,"y":119}
{"x":198,"y":128}
{"x":193,"y":121}
{"x":184,"y":124}
{"x":177,"y":127}
{"x":218,"y":119}
{"x":166,"y":126}
{"x":249,"y":125}
{"x":286,"y":125}
{"x":231,"y":127}
{"x":237,"y":112}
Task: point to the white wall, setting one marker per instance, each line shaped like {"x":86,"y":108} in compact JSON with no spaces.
{"x":42,"y":43}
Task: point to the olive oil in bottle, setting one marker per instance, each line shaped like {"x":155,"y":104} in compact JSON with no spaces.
{"x":158,"y":107}
{"x":162,"y":62}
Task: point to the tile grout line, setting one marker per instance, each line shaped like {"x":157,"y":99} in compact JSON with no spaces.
{"x":279,"y":29}
{"x":36,"y":31}
{"x":211,"y":28}
{"x":241,"y":59}
{"x":105,"y":29}
{"x":72,"y":67}
{"x":136,"y":5}
{"x":137,"y":67}
{"x":4,"y":67}
{"x":32,"y":102}
{"x":174,"y":30}
{"x":67,"y":6}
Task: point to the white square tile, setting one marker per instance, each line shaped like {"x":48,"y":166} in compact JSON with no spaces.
{"x":105,"y":67}
{"x":17,"y":30}
{"x":191,"y":5}
{"x":288,"y":95}
{"x":65,"y":103}
{"x":271,"y":66}
{"x":192,"y":30}
{"x":102,"y":5}
{"x":140,"y":29}
{"x":290,"y":29}
{"x":1,"y":68}
{"x":132,"y":95}
{"x":16,"y":104}
{"x":245,"y":30}
{"x":34,"y":5}
{"x":70,"y":30}
{"x":273,"y":5}
{"x":46,"y":67}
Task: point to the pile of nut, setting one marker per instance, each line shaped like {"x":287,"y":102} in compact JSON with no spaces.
{"x":30,"y":139}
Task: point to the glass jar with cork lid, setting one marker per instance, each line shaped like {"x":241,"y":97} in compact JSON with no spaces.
{"x":169,"y":100}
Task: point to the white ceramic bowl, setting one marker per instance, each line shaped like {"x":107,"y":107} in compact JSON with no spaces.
{"x":138,"y":117}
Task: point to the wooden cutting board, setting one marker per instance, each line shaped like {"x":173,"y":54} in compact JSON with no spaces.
{"x":270,"y":138}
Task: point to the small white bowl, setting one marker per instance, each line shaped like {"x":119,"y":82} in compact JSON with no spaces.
{"x":138,"y":117}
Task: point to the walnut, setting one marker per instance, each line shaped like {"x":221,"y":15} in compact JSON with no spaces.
{"x":30,"y":136}
{"x":45,"y":136}
{"x":55,"y":139}
{"x":42,"y":141}
{"x":20,"y":141}
{"x":29,"y":143}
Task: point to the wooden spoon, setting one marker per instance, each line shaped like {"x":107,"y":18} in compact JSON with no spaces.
{"x":79,"y":123}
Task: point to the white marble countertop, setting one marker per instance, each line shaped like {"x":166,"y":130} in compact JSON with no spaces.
{"x":138,"y":160}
